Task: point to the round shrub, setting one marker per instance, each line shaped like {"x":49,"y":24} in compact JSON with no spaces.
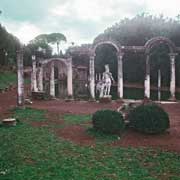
{"x":108,"y":121}
{"x":149,"y":119}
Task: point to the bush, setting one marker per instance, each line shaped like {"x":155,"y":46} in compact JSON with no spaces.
{"x":108,"y":121}
{"x":149,"y":119}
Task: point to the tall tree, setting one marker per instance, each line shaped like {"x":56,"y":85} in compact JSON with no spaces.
{"x":34,"y":47}
{"x":41,"y":39}
{"x":56,"y":38}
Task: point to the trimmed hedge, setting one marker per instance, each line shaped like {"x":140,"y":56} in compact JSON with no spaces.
{"x":108,"y":121}
{"x":149,"y":119}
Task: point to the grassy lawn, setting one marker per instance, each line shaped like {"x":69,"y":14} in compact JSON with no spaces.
{"x":6,"y":79}
{"x":76,"y":119}
{"x":32,"y":153}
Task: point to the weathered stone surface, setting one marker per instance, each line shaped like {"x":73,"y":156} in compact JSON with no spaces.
{"x":105,"y":99}
{"x":9,"y":122}
{"x":40,"y":95}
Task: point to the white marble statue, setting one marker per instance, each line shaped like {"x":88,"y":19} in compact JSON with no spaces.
{"x":104,"y":86}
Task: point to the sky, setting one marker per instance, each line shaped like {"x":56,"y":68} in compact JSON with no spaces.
{"x":79,"y":20}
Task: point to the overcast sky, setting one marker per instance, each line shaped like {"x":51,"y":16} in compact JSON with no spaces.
{"x":79,"y":20}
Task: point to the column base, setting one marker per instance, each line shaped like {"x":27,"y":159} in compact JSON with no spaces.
{"x":38,"y":95}
{"x":105,"y":99}
{"x":92,"y":100}
{"x":69,"y":99}
{"x":147,"y":101}
{"x":172,"y":99}
{"x":21,"y":106}
{"x":120,"y":100}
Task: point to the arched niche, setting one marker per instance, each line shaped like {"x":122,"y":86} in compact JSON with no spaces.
{"x":159,"y":40}
{"x":58,"y":73}
{"x":154,"y":42}
{"x":100,"y":42}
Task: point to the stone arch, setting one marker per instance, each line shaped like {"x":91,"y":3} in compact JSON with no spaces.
{"x":105,"y":42}
{"x":101,"y":40}
{"x":46,"y":61}
{"x":172,"y":54}
{"x":67,"y":70}
{"x":158,"y":40}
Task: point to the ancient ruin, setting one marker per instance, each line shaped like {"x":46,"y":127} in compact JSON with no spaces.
{"x":58,"y":77}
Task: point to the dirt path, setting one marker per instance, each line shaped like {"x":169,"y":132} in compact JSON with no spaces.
{"x":74,"y":107}
{"x":77,"y":134}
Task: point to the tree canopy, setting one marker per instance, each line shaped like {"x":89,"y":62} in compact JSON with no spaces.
{"x":40,"y":46}
{"x":8,"y":47}
{"x":56,"y":38}
{"x":138,"y":30}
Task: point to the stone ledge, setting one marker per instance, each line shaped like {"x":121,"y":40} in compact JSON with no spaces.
{"x":9,"y":122}
{"x":106,"y":99}
{"x":39,"y":95}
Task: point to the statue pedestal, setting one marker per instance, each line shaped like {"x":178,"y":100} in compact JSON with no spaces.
{"x":105,"y":99}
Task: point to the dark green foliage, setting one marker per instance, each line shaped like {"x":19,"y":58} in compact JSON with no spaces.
{"x":7,"y":79}
{"x":106,"y":54}
{"x":149,"y":119}
{"x":9,"y":44}
{"x":108,"y":121}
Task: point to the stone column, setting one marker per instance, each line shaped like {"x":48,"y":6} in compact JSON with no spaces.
{"x":40,"y":78}
{"x":32,"y":83}
{"x":34,"y":70}
{"x":91,"y":76}
{"x":120,"y":75}
{"x":20,"y":79}
{"x":173,"y":76}
{"x":69,"y":78}
{"x":52,"y":83}
{"x":159,"y":85}
{"x":147,"y":78}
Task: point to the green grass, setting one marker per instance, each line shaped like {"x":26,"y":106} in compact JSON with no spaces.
{"x":30,"y":115}
{"x":76,"y":119}
{"x":102,"y":138}
{"x":29,"y":153}
{"x":7,"y":79}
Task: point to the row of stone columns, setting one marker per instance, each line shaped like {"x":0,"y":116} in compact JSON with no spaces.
{"x":120,"y":76}
{"x":39,"y":86}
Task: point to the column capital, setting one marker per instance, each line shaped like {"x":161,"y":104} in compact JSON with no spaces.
{"x":69,"y":60}
{"x":147,"y":54}
{"x":173,"y":55}
{"x":33,"y":57}
{"x":120,"y":54}
{"x":92,"y":58}
{"x":20,"y":51}
{"x":91,"y":53}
